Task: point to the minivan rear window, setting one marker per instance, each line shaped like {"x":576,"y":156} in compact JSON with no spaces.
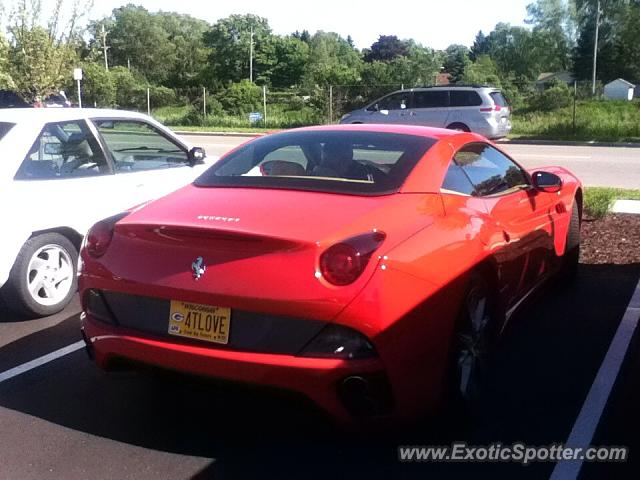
{"x":465,"y":98}
{"x":499,"y":99}
{"x":351,"y":162}
{"x":4,"y":128}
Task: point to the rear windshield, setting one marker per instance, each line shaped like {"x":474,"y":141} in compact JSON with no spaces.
{"x":499,"y":99}
{"x":369,"y":163}
{"x":4,"y":128}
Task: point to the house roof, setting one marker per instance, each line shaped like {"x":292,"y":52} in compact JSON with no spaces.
{"x":548,"y":76}
{"x":629,"y":84}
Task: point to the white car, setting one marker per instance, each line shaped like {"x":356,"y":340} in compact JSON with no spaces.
{"x":61,"y":170}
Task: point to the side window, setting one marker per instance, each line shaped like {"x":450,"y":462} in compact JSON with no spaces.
{"x":465,"y":98}
{"x":397,"y":101}
{"x":138,"y":146}
{"x":457,"y":181}
{"x":490,"y":171}
{"x":63,"y":150}
{"x":433,"y":99}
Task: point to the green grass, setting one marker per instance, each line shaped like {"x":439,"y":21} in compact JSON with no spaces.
{"x":215,"y":129}
{"x":599,"y":200}
{"x":278,"y":116}
{"x":596,"y":120}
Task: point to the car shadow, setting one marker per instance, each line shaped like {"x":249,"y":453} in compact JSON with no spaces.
{"x":541,"y":372}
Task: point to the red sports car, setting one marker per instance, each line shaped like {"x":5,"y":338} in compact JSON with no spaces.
{"x":370,"y":268}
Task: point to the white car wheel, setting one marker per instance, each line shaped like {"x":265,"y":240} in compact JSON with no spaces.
{"x":50,"y":275}
{"x":43,"y":278}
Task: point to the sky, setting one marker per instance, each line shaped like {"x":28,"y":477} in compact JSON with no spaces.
{"x":434,"y":23}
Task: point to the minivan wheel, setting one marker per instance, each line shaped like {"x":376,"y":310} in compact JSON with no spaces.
{"x":460,"y":127}
{"x":43,"y":278}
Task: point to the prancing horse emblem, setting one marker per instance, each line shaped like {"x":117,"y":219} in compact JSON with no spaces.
{"x":198,"y":268}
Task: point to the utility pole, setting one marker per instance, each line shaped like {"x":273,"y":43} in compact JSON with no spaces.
{"x":105,"y":48}
{"x":251,"y":56}
{"x":595,"y":51}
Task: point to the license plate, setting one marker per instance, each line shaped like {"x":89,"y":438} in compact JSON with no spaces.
{"x":201,"y":322}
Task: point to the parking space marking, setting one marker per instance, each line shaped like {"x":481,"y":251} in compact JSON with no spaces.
{"x":49,"y":357}
{"x":585,"y":426}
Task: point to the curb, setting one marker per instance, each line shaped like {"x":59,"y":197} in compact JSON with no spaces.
{"x":219,"y":134}
{"x":568,"y":143}
{"x":626,"y":206}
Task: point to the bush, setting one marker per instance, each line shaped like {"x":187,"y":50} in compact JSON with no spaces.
{"x":98,"y":86}
{"x":162,"y":96}
{"x":241,"y":98}
{"x":557,"y":96}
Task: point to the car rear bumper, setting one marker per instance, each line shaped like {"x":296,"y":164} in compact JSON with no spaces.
{"x":344,"y":389}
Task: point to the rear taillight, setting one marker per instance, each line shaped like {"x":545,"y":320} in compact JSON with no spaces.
{"x":344,"y":262}
{"x":100,"y":235}
{"x":496,"y":108}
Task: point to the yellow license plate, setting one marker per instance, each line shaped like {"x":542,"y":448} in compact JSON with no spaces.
{"x":201,"y":322}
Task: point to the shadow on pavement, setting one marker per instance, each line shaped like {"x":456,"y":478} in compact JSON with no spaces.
{"x":543,"y":369}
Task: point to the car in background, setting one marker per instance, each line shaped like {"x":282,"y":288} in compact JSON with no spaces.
{"x":368,"y":267}
{"x":61,"y":171}
{"x":9,"y":99}
{"x":478,"y":109}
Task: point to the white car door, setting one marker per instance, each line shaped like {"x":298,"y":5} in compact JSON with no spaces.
{"x":65,"y":180}
{"x":147,"y":160}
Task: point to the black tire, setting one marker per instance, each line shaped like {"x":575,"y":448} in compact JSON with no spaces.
{"x":472,"y":344}
{"x":460,"y":127}
{"x":571,"y":257}
{"x":16,"y":291}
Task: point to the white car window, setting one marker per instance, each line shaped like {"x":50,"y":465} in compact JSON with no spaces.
{"x":63,"y":150}
{"x":137,"y":146}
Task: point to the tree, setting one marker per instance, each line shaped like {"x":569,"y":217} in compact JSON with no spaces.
{"x":627,"y":52}
{"x":292,"y":57}
{"x":332,"y":61}
{"x":138,"y":38}
{"x":611,"y":20}
{"x":98,"y":86}
{"x":456,"y":61}
{"x":483,"y":71}
{"x":554,"y":22}
{"x":386,"y":48}
{"x":42,"y":58}
{"x":480,"y":46}
{"x":6,"y":81}
{"x":186,"y":36}
{"x":229,"y":40}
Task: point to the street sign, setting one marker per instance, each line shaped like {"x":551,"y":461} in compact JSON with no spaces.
{"x":255,"y":117}
{"x":77,"y":74}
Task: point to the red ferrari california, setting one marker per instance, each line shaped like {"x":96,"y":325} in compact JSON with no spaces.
{"x":370,"y":268}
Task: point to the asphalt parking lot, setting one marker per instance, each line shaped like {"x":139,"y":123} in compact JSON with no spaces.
{"x":65,"y":419}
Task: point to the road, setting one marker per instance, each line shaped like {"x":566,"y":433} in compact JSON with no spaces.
{"x":67,"y":420}
{"x":595,"y":166}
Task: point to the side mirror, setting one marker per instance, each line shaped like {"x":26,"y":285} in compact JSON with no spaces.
{"x":546,"y":181}
{"x":196,"y":156}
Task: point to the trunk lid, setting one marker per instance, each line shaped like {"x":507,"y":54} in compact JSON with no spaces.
{"x":260,"y":247}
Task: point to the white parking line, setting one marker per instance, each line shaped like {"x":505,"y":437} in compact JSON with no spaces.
{"x":49,"y":357}
{"x":594,"y":404}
